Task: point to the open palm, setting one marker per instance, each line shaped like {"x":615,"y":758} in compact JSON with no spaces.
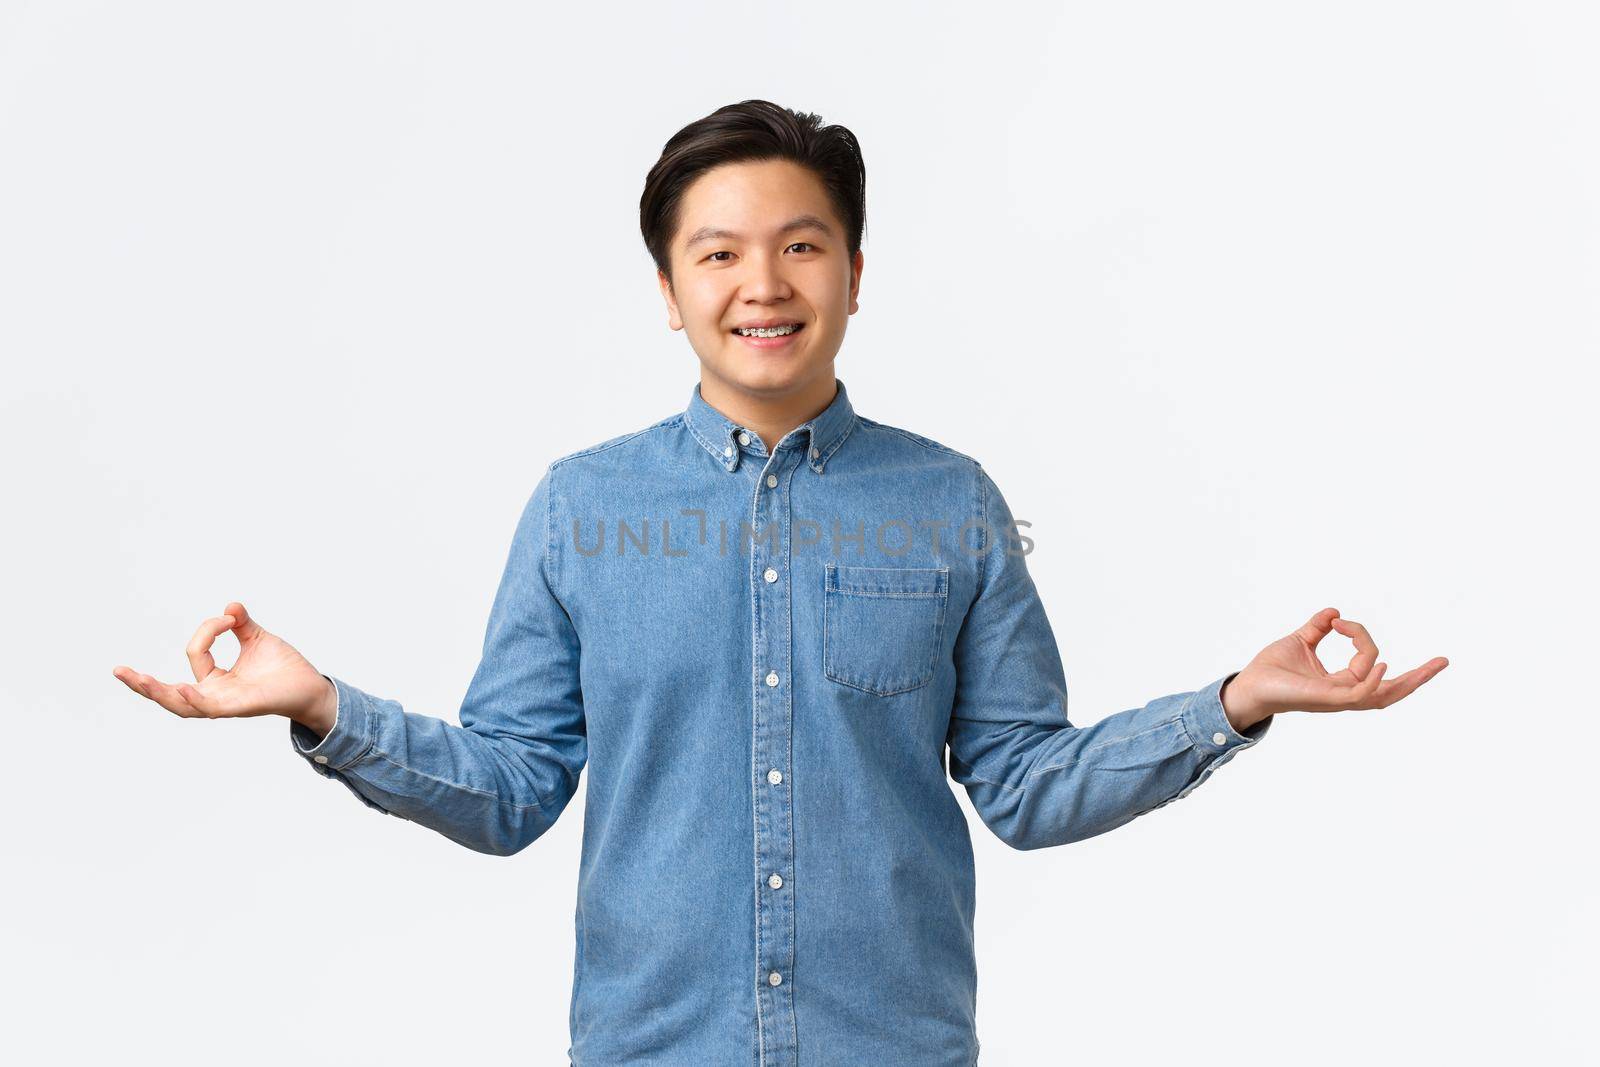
{"x":270,"y":677}
{"x":1288,"y":676}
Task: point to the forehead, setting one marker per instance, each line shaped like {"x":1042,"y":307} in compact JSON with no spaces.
{"x":752,"y":199}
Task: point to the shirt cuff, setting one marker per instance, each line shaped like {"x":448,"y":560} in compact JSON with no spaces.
{"x":1208,"y":726}
{"x":347,"y":742}
{"x":1212,"y":736}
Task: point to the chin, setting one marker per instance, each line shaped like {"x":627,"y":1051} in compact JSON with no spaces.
{"x":758,"y":375}
{"x":772,"y":379}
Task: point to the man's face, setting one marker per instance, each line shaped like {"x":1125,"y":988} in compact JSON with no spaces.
{"x":749,"y":250}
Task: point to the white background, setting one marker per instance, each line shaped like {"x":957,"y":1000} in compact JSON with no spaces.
{"x":1251,"y":309}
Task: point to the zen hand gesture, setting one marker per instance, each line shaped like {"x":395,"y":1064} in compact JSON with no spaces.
{"x":1288,"y":676}
{"x":269,"y":678}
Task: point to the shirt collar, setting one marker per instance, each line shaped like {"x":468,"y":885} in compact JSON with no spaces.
{"x":821,"y":436}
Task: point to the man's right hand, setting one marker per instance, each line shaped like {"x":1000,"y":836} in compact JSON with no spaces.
{"x":269,"y":678}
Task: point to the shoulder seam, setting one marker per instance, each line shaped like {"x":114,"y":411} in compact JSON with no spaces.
{"x":918,"y":439}
{"x":604,"y":445}
{"x":983,"y":497}
{"x":551,"y":569}
{"x":549,"y":491}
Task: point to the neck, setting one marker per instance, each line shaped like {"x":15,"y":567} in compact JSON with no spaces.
{"x":769,"y":417}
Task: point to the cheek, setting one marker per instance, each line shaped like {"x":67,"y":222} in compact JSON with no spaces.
{"x":828,"y":291}
{"x":704,"y":307}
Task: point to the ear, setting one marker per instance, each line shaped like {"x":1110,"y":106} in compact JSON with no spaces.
{"x":855,"y":280}
{"x":674,"y":319}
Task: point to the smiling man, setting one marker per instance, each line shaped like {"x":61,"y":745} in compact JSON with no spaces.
{"x":764,"y":272}
{"x":765,"y":686}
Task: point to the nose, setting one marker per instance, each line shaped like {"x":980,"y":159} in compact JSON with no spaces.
{"x":763,"y":282}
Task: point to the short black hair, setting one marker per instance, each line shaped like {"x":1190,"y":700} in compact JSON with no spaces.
{"x":752,"y":130}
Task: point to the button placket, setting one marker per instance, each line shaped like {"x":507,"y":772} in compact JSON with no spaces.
{"x":772,"y":730}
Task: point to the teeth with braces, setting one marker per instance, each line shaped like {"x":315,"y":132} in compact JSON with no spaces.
{"x":774,"y":331}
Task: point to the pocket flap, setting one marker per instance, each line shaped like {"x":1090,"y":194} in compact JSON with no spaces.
{"x":888,"y":581}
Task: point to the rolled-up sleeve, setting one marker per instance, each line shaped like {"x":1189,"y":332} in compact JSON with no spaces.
{"x":1034,"y":778}
{"x":499,"y":780}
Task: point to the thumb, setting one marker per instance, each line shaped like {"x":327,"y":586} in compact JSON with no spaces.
{"x":244,"y":627}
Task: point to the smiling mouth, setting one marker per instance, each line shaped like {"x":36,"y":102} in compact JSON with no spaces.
{"x":775,"y":331}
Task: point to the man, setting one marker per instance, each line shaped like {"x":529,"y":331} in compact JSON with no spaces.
{"x":760,"y":623}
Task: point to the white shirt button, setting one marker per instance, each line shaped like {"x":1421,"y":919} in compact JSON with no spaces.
{"x":727,"y":450}
{"x":815,"y":453}
{"x":744,"y":438}
{"x":772,"y":480}
{"x":774,"y":978}
{"x":1219,"y":738}
{"x":320,"y":759}
{"x":772,"y":677}
{"x":774,"y":776}
{"x":770,"y":575}
{"x":775,"y":881}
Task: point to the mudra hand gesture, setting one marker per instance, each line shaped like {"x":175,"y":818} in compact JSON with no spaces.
{"x":269,"y":678}
{"x":1288,"y":676}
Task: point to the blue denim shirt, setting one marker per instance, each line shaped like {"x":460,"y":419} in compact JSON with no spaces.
{"x":762,"y":657}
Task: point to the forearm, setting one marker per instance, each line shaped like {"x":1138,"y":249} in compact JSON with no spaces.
{"x":1059,"y":784}
{"x":489,"y":791}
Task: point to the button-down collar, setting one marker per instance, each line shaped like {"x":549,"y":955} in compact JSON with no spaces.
{"x":820,"y":436}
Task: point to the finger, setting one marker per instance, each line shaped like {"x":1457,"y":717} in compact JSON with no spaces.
{"x":1366,"y":653}
{"x":128,"y":677}
{"x":1317,"y":627}
{"x":245,"y":628}
{"x":1403,"y":686}
{"x":202,"y":704}
{"x":141,"y":683}
{"x":175,"y":699}
{"x":199,"y":650}
{"x":1362,"y":694}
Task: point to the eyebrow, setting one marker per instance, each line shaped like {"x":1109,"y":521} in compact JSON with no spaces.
{"x":799,"y":222}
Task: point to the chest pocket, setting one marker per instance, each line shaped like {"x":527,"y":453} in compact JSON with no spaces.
{"x":882,"y":627}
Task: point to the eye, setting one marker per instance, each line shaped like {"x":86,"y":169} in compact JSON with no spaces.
{"x":804,"y":245}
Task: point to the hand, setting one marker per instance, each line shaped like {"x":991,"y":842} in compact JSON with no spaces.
{"x":269,"y":678}
{"x":1288,"y":676}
